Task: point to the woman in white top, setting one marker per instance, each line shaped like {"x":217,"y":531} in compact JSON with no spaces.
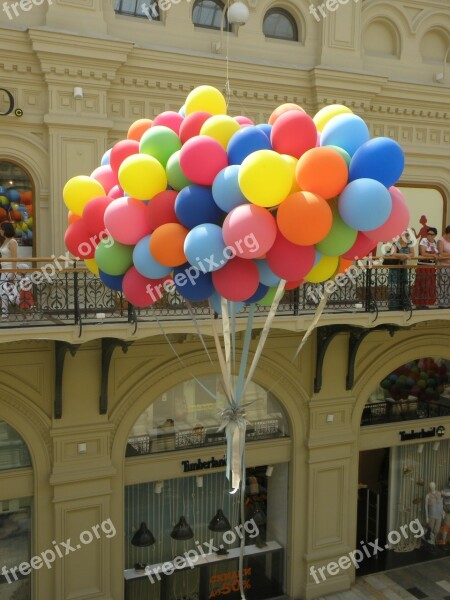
{"x":443,"y":290}
{"x":8,"y":249}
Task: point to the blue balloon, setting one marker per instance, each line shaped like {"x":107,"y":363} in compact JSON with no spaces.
{"x":381,"y":159}
{"x":204,"y":247}
{"x":2,"y":190}
{"x":182,"y":111}
{"x":244,"y":142}
{"x":195,"y":205}
{"x":259,"y":294}
{"x":365,"y":204}
{"x":266,"y":128}
{"x":13,"y":195}
{"x":266,"y":276}
{"x":216,"y":303}
{"x":317,"y":257}
{"x":192,"y":284}
{"x":145,"y":263}
{"x":226,"y":191}
{"x":114,"y":282}
{"x":105,"y":158}
{"x":347,"y":131}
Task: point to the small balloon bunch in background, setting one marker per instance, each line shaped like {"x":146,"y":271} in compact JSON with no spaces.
{"x":423,"y":378}
{"x":16,"y":207}
{"x":239,"y":206}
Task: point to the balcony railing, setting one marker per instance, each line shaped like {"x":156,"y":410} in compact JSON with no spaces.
{"x":41,"y":295}
{"x":391,"y":411}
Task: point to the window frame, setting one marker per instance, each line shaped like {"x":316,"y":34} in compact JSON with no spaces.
{"x":290,"y":18}
{"x":221,"y":5}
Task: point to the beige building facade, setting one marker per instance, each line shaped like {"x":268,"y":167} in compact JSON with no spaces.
{"x":80,"y":397}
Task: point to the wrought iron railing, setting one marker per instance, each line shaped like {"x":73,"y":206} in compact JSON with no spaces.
{"x":40,"y":295}
{"x":391,"y":411}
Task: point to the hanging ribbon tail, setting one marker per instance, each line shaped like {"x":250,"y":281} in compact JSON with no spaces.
{"x":220,"y":356}
{"x":234,"y":423}
{"x":317,"y":315}
{"x":197,"y":328}
{"x":227,"y":338}
{"x":245,"y":353}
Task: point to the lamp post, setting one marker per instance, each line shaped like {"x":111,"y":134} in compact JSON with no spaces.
{"x":237,"y":14}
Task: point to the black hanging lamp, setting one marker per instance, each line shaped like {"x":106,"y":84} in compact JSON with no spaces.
{"x":143,"y":537}
{"x":182,"y":530}
{"x":220,"y":523}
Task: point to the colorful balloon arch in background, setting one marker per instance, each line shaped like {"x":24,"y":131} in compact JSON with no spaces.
{"x":216,"y":206}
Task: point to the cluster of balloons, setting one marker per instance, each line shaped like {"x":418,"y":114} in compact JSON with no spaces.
{"x":423,"y":378}
{"x":227,"y":208}
{"x":17,"y":208}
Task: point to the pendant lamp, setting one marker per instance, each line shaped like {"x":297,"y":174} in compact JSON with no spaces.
{"x":143,"y":537}
{"x":182,"y":530}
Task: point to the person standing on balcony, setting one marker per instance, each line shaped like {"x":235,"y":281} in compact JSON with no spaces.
{"x":424,"y":289}
{"x":443,"y":291}
{"x":401,"y":250}
{"x":8,"y":250}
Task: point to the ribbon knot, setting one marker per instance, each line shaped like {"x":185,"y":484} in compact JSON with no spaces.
{"x":234,"y":423}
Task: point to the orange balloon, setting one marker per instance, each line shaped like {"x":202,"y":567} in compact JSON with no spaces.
{"x":167,"y":244}
{"x":138,"y":128}
{"x":304,"y":218}
{"x":280,"y":110}
{"x":30,"y":210}
{"x":3,"y":215}
{"x":72,"y":217}
{"x":344,"y":264}
{"x":322,"y":171}
{"x":16,"y":215}
{"x":26,"y":197}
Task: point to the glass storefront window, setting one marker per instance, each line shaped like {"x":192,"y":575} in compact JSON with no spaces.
{"x":13,"y":450}
{"x":182,"y":516}
{"x":15,"y":547}
{"x":16,"y":204}
{"x":188,"y":416}
{"x":417,"y":390}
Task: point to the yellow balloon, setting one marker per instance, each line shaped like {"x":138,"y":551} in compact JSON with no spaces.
{"x":327,"y":113}
{"x":79,"y":190}
{"x":323,"y":270}
{"x":91,"y":265}
{"x":142,"y":176}
{"x":292,"y":162}
{"x":265,"y":178}
{"x":221,"y":128}
{"x":206,"y":98}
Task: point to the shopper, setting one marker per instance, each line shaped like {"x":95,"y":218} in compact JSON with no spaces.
{"x":8,"y":250}
{"x":443,"y":289}
{"x":424,"y":289}
{"x":398,"y":288}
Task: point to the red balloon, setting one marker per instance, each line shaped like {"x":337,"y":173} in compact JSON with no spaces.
{"x":191,"y":125}
{"x":250,"y":230}
{"x":121,"y":151}
{"x":79,"y":241}
{"x":237,"y":280}
{"x":94,"y":212}
{"x":290,"y":261}
{"x":161,"y":209}
{"x":116,"y":192}
{"x":106,"y":177}
{"x":293,"y":133}
{"x":140,"y":290}
{"x":362,"y":247}
{"x":201,"y":158}
{"x":243,"y":120}
{"x":293,"y":285}
{"x":170,"y":119}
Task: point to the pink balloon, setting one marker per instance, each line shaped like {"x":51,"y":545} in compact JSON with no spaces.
{"x":237,"y":280}
{"x":243,"y":120}
{"x":249,"y":229}
{"x":140,"y":290}
{"x":360,"y":248}
{"x":121,"y":151}
{"x":192,"y":124}
{"x":94,"y":212}
{"x":106,"y":177}
{"x":79,"y":240}
{"x":289,"y":261}
{"x":116,"y":192}
{"x":293,"y":133}
{"x":169,"y":119}
{"x":201,"y":158}
{"x":126,"y":220}
{"x":161,"y":209}
{"x":397,"y":222}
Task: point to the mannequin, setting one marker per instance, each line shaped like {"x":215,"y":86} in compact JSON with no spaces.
{"x":446,"y":525}
{"x":434,"y":511}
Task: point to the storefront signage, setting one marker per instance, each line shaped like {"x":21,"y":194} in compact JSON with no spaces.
{"x":18,"y":112}
{"x":423,"y":433}
{"x":223,"y":584}
{"x":199,"y":465}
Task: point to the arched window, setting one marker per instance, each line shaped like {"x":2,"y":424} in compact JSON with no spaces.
{"x":280,"y":24}
{"x":208,"y":13}
{"x":187,"y":416}
{"x":138,"y":8}
{"x":16,"y":203}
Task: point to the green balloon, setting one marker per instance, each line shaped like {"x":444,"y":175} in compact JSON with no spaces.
{"x":340,"y":238}
{"x":175,"y":176}
{"x":160,"y":142}
{"x":268,"y":298}
{"x":113,"y":258}
{"x":345,"y":155}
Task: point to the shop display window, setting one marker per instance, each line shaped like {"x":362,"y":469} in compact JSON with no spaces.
{"x":15,"y":548}
{"x":197,"y":517}
{"x":188,"y":416}
{"x":16,"y":204}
